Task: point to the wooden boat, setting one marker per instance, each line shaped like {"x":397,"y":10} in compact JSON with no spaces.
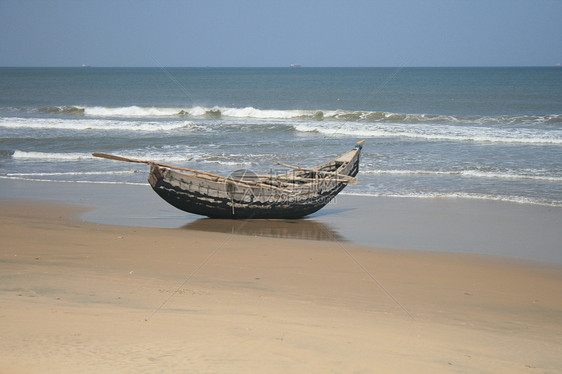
{"x":294,"y":194}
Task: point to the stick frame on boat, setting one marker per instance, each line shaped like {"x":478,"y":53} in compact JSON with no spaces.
{"x":294,"y":194}
{"x":239,"y":181}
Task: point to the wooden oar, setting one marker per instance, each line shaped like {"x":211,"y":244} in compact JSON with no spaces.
{"x":242,"y":183}
{"x":120,"y":158}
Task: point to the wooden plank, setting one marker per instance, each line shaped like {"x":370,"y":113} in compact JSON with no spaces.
{"x":342,"y":176}
{"x":287,"y":178}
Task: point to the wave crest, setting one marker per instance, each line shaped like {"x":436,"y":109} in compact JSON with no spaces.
{"x":338,"y":115}
{"x":23,"y":155}
{"x":74,"y":110}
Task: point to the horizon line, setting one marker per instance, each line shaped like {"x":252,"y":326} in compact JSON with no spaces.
{"x":85,"y":66}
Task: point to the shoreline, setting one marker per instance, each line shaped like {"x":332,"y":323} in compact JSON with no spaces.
{"x":88,"y":297}
{"x":494,"y":228}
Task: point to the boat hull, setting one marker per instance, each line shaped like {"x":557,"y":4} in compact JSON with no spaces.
{"x":234,"y":199}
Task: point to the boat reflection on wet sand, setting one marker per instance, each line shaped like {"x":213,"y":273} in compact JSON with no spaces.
{"x":305,"y":229}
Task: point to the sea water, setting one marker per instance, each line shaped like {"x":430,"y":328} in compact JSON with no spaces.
{"x":471,"y":133}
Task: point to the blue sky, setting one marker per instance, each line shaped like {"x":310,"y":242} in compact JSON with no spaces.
{"x":279,"y":33}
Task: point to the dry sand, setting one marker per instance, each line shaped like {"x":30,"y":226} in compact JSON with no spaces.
{"x":87,"y":298}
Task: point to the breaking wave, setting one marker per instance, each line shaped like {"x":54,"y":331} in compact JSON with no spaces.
{"x":472,"y":196}
{"x":35,"y":179}
{"x":301,"y":114}
{"x":425,"y":132}
{"x":23,"y":155}
{"x":93,"y":124}
{"x":75,"y":110}
{"x":439,"y":132}
{"x":163,"y":157}
{"x":132,"y":111}
{"x":72,"y":173}
{"x":507,"y":175}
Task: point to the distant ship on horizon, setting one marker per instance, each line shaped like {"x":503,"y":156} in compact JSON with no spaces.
{"x":295,"y":65}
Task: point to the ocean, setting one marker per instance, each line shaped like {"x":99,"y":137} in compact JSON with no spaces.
{"x":459,"y":133}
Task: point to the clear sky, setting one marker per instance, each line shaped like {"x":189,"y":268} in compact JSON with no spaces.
{"x":281,"y":32}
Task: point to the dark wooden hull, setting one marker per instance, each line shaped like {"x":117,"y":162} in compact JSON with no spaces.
{"x":226,"y":198}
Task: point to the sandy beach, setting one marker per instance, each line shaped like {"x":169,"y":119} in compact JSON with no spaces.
{"x":432,"y":131}
{"x":87,"y":297}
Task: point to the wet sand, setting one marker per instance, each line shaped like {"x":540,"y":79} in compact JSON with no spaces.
{"x":437,"y":225}
{"x":88,"y":297}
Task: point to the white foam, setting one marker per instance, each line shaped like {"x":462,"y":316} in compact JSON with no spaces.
{"x":94,"y":124}
{"x":67,"y":181}
{"x":391,"y":125}
{"x":468,"y":173}
{"x":512,"y":199}
{"x":512,"y":175}
{"x":197,"y":111}
{"x":436,"y":132}
{"x":130,"y":111}
{"x":23,"y":155}
{"x":250,"y":112}
{"x":63,"y":157}
{"x":75,"y":173}
{"x":325,"y":114}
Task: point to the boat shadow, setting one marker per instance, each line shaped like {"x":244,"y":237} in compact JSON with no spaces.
{"x":304,"y":229}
